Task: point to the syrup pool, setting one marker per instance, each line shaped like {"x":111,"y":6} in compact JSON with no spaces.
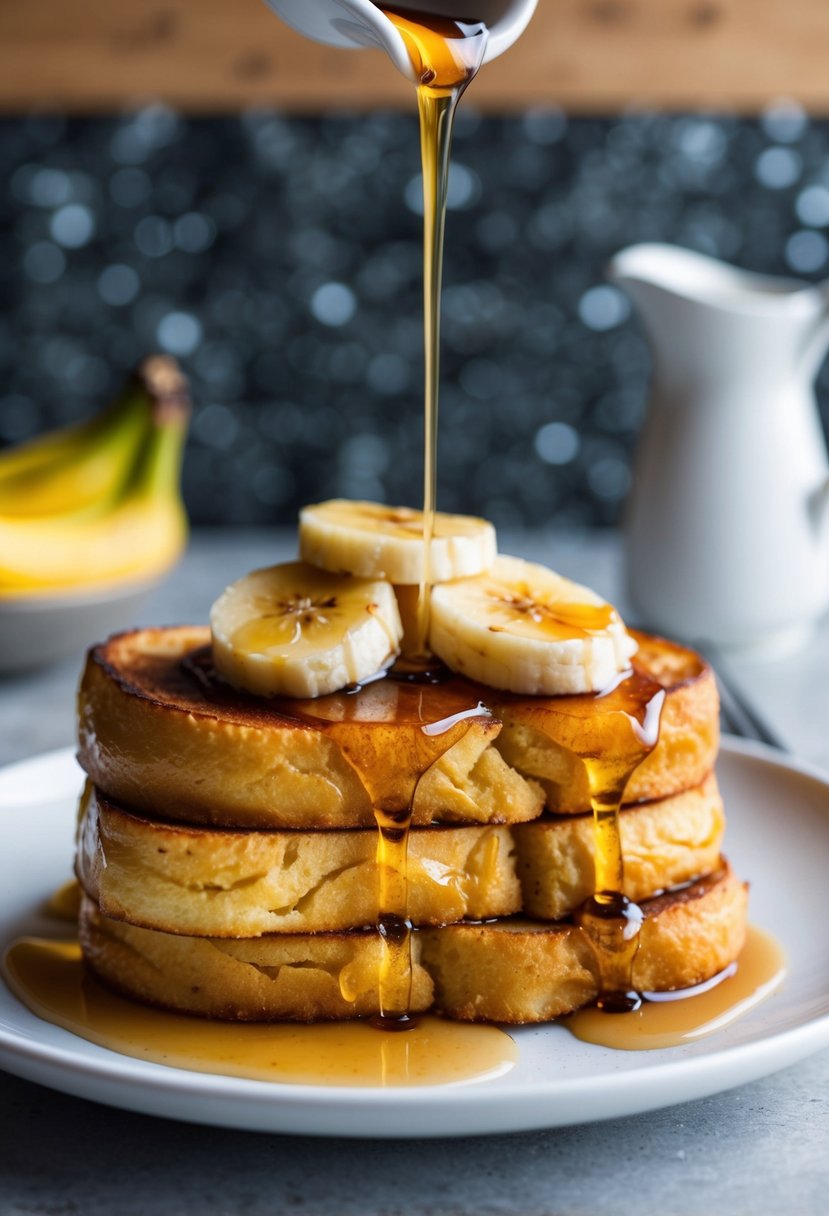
{"x":50,"y":979}
{"x":671,"y":1019}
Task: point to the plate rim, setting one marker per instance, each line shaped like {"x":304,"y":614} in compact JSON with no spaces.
{"x":731,"y":1065}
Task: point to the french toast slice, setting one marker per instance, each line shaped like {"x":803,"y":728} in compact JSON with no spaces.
{"x":157,"y":730}
{"x":281,"y":977}
{"x":689,"y":733}
{"x":512,"y":971}
{"x":211,"y":882}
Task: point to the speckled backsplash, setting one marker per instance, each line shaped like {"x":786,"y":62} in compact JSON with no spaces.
{"x":279,"y":259}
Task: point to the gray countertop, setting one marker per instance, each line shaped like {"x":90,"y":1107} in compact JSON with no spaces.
{"x":758,"y":1149}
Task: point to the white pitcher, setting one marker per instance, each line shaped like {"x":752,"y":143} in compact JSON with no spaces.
{"x":728,"y":519}
{"x":360,"y":23}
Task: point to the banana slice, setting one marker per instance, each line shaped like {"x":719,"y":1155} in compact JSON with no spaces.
{"x":374,"y":541}
{"x":523,"y":628}
{"x":296,"y":631}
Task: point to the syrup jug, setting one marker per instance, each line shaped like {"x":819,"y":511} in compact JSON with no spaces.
{"x":728,"y":519}
{"x":360,"y":23}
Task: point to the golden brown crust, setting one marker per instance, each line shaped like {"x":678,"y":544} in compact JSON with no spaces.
{"x":685,"y":753}
{"x":520,"y":972}
{"x":507,"y":971}
{"x":152,"y":733}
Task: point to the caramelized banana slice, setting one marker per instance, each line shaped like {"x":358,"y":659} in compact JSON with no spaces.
{"x":375,"y":541}
{"x":523,"y":628}
{"x":295,"y":631}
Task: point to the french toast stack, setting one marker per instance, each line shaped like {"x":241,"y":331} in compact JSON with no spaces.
{"x":227,"y":846}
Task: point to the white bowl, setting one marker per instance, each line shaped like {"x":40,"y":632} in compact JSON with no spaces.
{"x":38,"y":630}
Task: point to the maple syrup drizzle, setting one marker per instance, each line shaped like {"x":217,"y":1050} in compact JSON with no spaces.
{"x":609,"y":918}
{"x":621,"y":728}
{"x":50,"y":979}
{"x":391,"y":732}
{"x":445,"y":55}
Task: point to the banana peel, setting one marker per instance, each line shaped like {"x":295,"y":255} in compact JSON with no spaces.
{"x":135,"y":528}
{"x":81,"y":465}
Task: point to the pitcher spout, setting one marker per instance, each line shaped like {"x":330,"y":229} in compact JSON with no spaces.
{"x":651,"y":270}
{"x":674,"y":292}
{"x":697,"y":278}
{"x":652,"y":265}
{"x":706,"y":318}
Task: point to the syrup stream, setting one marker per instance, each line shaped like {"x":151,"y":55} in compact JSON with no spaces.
{"x":446,"y":56}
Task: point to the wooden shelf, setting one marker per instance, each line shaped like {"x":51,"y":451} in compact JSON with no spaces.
{"x":588,"y":55}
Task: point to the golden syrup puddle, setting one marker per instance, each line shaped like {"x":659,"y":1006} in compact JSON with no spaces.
{"x":671,"y":1019}
{"x":50,"y":979}
{"x":65,"y":903}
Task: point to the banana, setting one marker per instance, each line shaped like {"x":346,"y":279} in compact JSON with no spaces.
{"x":374,"y":541}
{"x":523,"y":628}
{"x":296,"y":631}
{"x":74,"y":467}
{"x":133,"y":535}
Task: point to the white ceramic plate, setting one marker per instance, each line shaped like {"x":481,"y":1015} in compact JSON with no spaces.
{"x":778,"y":836}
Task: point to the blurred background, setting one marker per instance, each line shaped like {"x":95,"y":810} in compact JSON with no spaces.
{"x":194,"y":178}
